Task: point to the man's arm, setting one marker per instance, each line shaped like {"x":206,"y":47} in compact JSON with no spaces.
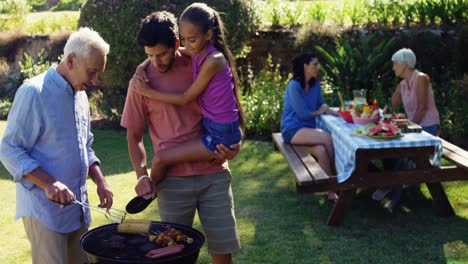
{"x":104,"y":192}
{"x":94,"y":171}
{"x":137,"y":152}
{"x":21,"y":134}
{"x":54,"y":190}
{"x":212,"y":65}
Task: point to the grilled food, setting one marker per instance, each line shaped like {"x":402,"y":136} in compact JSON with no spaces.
{"x":134,"y":226}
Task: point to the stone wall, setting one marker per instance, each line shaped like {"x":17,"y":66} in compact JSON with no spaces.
{"x":280,"y":44}
{"x":14,"y":45}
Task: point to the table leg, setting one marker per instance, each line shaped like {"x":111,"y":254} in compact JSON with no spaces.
{"x":440,"y":200}
{"x":344,"y":202}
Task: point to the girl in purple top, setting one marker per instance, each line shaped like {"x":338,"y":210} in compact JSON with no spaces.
{"x":215,"y":87}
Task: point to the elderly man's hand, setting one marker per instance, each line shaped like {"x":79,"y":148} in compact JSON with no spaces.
{"x":223,"y":153}
{"x":105,"y":195}
{"x":58,"y":192}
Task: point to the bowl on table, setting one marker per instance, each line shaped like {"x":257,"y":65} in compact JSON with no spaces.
{"x":365,"y":121}
{"x":346,"y":115}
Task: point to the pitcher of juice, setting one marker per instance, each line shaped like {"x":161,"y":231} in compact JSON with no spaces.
{"x":359,"y":96}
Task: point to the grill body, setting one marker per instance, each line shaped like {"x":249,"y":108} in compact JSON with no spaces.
{"x":99,"y":246}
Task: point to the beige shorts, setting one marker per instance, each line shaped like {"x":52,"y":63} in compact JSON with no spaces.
{"x":180,"y":197}
{"x":50,"y":247}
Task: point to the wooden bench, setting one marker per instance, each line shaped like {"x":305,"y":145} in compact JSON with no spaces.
{"x":310,"y":178}
{"x":306,"y":169}
{"x":455,"y":155}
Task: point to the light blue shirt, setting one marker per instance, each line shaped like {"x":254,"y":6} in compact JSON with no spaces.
{"x":49,"y":127}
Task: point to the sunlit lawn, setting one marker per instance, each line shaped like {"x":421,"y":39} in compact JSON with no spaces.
{"x":276,"y":225}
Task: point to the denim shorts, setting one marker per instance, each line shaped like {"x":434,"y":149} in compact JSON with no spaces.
{"x":289,"y":134}
{"x":431,"y":129}
{"x":220,"y":133}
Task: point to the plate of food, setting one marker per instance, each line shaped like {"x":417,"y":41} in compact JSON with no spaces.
{"x":385,"y":137}
{"x":383,"y":131}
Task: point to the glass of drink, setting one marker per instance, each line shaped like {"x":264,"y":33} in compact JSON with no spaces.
{"x":360,"y":96}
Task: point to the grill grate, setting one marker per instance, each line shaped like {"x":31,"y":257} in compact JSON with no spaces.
{"x":98,"y":242}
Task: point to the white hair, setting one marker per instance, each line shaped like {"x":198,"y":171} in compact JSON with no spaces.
{"x":82,"y":41}
{"x":405,"y":55}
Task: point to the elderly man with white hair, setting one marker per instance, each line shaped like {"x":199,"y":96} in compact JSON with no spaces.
{"x":47,"y":149}
{"x":416,"y":95}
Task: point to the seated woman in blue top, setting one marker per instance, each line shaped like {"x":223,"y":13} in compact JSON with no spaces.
{"x":303,"y":101}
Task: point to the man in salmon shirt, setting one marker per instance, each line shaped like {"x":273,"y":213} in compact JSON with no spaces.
{"x":205,"y":185}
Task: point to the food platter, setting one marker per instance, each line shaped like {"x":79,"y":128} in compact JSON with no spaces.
{"x":384,"y":137}
{"x":378,"y":131}
{"x":377,"y":137}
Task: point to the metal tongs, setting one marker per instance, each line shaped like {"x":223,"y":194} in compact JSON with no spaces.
{"x":112,"y":214}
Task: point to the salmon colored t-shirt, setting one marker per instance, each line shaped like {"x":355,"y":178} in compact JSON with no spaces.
{"x":169,"y":124}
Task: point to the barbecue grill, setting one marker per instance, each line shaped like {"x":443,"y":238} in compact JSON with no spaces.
{"x":98,"y":245}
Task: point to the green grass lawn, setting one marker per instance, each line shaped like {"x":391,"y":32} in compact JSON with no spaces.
{"x":276,"y":225}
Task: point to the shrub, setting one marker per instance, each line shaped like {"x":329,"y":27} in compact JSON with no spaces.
{"x":30,"y":68}
{"x":15,"y":11}
{"x":461,"y":50}
{"x":64,"y":21}
{"x":37,"y":4}
{"x":317,"y":12}
{"x":5,"y":106}
{"x":358,"y":66}
{"x":263,"y":103}
{"x":14,"y":8}
{"x":4,"y":68}
{"x":118,"y":22}
{"x":435,"y":53}
{"x":68,"y":5}
{"x":450,"y":99}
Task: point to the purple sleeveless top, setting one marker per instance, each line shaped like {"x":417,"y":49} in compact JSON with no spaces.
{"x":218,"y":101}
{"x":410,"y":101}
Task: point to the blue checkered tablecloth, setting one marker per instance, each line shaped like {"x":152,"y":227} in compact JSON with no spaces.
{"x":346,"y":145}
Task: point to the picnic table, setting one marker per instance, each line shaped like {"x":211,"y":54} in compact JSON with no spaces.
{"x":353,"y":160}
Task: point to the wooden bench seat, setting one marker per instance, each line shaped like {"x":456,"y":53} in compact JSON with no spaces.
{"x":454,"y":154}
{"x":306,"y":169}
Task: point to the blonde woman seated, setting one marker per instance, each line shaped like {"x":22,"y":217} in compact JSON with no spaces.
{"x":303,"y":101}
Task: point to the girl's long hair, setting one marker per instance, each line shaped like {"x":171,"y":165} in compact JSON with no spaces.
{"x":207,"y":18}
{"x":298,"y":68}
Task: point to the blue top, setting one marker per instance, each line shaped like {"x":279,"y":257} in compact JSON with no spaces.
{"x":297,"y":108}
{"x":49,"y":127}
